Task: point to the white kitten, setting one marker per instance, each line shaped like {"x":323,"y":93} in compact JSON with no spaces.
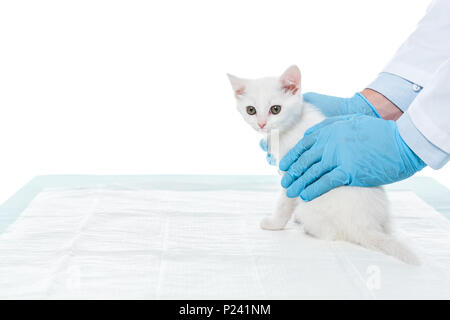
{"x":354,"y":214}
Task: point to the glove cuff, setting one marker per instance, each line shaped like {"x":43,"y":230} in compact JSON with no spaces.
{"x":372,"y":111}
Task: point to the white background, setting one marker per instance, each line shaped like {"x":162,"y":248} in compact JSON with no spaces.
{"x":139,"y":87}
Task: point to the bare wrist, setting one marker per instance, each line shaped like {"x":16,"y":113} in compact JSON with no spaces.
{"x":384,"y":106}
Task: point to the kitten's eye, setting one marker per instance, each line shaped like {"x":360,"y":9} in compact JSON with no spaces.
{"x":275,"y":109}
{"x":251,"y":110}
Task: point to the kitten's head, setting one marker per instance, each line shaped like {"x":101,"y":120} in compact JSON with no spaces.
{"x":269,"y":103}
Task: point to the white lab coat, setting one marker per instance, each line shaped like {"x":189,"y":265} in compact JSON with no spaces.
{"x":424,"y":59}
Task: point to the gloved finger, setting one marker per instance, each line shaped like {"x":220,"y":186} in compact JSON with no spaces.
{"x":293,"y":154}
{"x":263,"y":144}
{"x":312,"y":174}
{"x":330,"y":106}
{"x":304,"y":162}
{"x":326,"y":122}
{"x":271,"y":159}
{"x":328,"y":181}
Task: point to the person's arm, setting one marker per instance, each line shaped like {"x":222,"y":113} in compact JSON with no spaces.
{"x":425,"y":126}
{"x":404,"y":82}
{"x":412,"y":66}
{"x":366,"y":151}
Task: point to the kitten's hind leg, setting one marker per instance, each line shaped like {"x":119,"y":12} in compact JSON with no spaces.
{"x":283,"y":212}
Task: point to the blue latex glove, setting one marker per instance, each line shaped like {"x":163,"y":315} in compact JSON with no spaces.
{"x":354,"y":150}
{"x":333,"y":106}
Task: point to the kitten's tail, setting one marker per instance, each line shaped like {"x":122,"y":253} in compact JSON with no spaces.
{"x":389,"y":245}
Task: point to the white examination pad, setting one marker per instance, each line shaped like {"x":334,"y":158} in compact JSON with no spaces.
{"x":155,"y":244}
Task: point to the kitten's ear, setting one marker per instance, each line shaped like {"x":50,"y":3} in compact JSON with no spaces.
{"x":290,"y":79}
{"x":237,"y":84}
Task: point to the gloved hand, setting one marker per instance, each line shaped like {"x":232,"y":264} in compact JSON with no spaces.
{"x":333,"y":106}
{"x":354,"y":150}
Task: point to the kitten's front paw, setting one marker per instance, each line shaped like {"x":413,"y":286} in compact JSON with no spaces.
{"x":269,"y":223}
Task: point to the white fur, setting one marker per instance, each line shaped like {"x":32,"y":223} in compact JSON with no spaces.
{"x":354,"y":214}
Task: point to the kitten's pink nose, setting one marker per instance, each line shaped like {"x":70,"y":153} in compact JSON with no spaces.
{"x":261,"y":125}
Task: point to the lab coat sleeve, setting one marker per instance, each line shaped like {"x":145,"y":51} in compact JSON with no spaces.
{"x":398,"y":90}
{"x":426,"y":48}
{"x":425,"y":127}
